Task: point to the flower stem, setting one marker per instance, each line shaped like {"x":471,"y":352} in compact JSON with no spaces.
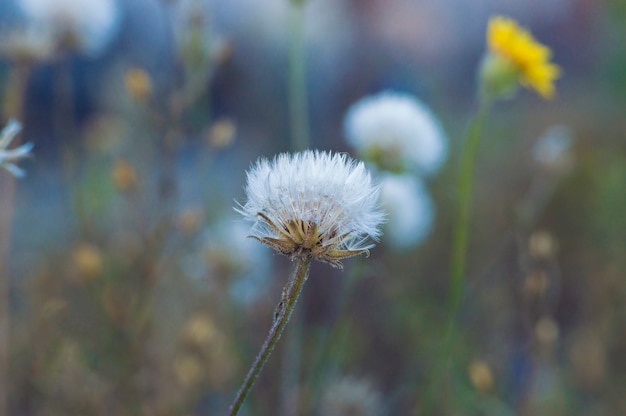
{"x":283,"y":312}
{"x":461,"y":228}
{"x":297,"y":79}
{"x":13,"y":107}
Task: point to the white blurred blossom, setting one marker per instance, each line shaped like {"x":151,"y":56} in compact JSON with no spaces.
{"x":195,"y":32}
{"x":351,"y":396}
{"x":313,"y":203}
{"x":409,"y":208}
{"x":85,"y":25}
{"x":222,"y":258}
{"x":553,"y":150}
{"x":28,"y":44}
{"x":9,"y":157}
{"x":397,"y":132}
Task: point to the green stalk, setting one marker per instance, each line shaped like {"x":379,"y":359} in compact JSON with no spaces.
{"x":285,"y":308}
{"x":297,"y":79}
{"x":439,"y":389}
{"x":13,"y":107}
{"x":461,"y":228}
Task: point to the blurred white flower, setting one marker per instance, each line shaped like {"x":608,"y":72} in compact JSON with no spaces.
{"x":9,"y":157}
{"x":195,"y":32}
{"x":409,"y":209}
{"x":253,"y":281}
{"x":30,"y":44}
{"x":314,"y":204}
{"x":225,"y":255}
{"x":86,"y":25}
{"x":350,"y":396}
{"x":553,"y":150}
{"x":397,"y":132}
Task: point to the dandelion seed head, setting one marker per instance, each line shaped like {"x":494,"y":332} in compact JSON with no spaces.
{"x":397,"y":132}
{"x":313,"y":203}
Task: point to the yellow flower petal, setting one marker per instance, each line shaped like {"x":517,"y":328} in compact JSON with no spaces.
{"x":511,"y":42}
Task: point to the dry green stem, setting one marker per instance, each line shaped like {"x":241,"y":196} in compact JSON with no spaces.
{"x":283,"y":312}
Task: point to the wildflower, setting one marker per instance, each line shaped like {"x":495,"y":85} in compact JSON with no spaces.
{"x":396,"y":132}
{"x":409,"y":209}
{"x":516,"y":57}
{"x":351,"y":396}
{"x":313,"y":204}
{"x":83,"y":25}
{"x":8,"y":158}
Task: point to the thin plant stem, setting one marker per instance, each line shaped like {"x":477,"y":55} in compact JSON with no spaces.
{"x":13,"y":107}
{"x":283,"y":312}
{"x":299,"y":133}
{"x":298,"y":109}
{"x":462,"y":224}
{"x":438,"y":386}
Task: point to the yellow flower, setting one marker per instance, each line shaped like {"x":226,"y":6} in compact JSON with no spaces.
{"x":518,"y":49}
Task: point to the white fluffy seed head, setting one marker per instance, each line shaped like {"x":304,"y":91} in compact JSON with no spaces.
{"x":313,"y":203}
{"x":397,"y":132}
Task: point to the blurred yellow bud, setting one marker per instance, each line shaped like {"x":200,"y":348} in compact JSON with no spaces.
{"x":190,"y":220}
{"x":188,"y":370}
{"x":200,"y":331}
{"x":547,"y":331}
{"x":124,"y":176}
{"x":481,"y":376}
{"x":222,"y":133}
{"x":138,"y":84}
{"x":88,"y":261}
{"x":542,"y":245}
